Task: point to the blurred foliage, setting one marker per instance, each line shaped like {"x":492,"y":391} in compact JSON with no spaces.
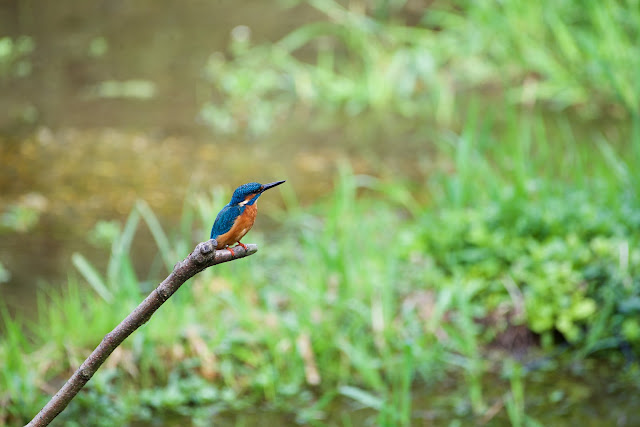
{"x":104,"y":233}
{"x":562,"y":54}
{"x":571,"y":261}
{"x":136,"y":89}
{"x":20,"y":218}
{"x":565,"y":52}
{"x":371,"y":313}
{"x":98,"y":47}
{"x":373,"y":291}
{"x":23,"y":215}
{"x":14,"y":52}
{"x":5,"y":274}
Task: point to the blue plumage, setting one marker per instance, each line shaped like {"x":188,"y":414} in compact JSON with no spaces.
{"x":225,"y":219}
{"x":244,"y":190}
{"x":244,"y":197}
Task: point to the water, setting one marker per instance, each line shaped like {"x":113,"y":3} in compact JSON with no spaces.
{"x":75,"y":158}
{"x":164,"y":42}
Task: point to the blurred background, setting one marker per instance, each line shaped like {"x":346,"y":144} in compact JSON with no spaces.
{"x":456,"y":243}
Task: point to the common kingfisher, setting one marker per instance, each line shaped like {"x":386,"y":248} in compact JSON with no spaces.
{"x":237,"y":217}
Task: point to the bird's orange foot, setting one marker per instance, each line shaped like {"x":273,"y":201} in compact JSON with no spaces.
{"x":230,"y":250}
{"x":243,"y":245}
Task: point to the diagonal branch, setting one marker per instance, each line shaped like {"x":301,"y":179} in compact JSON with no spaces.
{"x":202,"y":257}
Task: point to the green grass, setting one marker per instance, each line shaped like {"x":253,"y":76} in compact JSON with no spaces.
{"x":581,"y":56}
{"x":383,"y":291}
{"x":364,"y":296}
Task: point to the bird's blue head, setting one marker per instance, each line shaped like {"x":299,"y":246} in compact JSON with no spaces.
{"x":247,"y":194}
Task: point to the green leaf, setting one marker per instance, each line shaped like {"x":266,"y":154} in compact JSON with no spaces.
{"x":91,"y":276}
{"x":364,"y":397}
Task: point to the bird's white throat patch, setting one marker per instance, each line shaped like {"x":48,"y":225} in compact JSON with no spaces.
{"x":248,"y":199}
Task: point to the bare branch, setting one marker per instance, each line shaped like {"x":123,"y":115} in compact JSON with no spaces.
{"x":202,"y":257}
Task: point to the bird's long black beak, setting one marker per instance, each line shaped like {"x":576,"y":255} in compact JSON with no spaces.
{"x":270,"y":185}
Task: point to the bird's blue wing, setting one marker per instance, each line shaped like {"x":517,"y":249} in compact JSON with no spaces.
{"x":225,"y":219}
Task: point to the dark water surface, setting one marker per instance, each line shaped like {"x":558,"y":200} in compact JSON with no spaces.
{"x":79,"y":45}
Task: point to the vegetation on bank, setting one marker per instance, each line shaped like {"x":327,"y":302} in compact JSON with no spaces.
{"x":362,"y":296}
{"x":384,"y":56}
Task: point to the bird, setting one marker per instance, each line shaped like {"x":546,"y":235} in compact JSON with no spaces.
{"x":237,"y":217}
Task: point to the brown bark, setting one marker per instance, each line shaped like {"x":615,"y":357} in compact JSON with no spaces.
{"x":202,"y":257}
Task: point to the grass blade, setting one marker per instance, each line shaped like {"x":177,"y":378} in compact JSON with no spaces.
{"x":91,"y":276}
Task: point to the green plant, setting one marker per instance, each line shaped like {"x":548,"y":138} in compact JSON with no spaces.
{"x":342,"y":309}
{"x":356,"y":59}
{"x":14,"y":56}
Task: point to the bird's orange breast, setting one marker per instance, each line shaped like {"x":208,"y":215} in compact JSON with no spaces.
{"x":243,"y":224}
